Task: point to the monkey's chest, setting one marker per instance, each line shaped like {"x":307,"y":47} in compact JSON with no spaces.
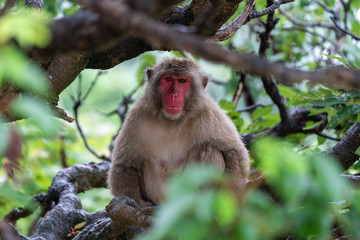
{"x":167,"y":150}
{"x":168,"y":155}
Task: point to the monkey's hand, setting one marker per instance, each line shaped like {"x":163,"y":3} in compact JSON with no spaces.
{"x":126,"y":210}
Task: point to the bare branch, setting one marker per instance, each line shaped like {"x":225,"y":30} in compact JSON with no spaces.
{"x":227,"y":32}
{"x":324,"y":7}
{"x":252,"y":107}
{"x":77,"y":104}
{"x":269,"y":85}
{"x":344,"y":30}
{"x":272,"y":8}
{"x":314,"y":33}
{"x":328,"y":137}
{"x":239,"y":88}
{"x":304,"y":24}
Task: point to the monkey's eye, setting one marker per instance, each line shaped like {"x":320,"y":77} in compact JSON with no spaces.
{"x":169,"y":79}
{"x":182,"y":80}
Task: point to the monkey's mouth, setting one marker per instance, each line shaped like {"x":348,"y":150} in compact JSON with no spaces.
{"x":173,"y":109}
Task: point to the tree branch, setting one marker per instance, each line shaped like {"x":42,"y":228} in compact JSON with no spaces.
{"x":269,"y":9}
{"x":304,"y":24}
{"x":227,"y":32}
{"x":269,"y":85}
{"x":344,"y":151}
{"x":344,"y":30}
{"x":120,"y":17}
{"x":34,"y":3}
{"x":8,"y":4}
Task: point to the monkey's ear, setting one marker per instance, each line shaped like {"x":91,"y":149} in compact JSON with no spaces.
{"x":205,"y":80}
{"x":149,"y":73}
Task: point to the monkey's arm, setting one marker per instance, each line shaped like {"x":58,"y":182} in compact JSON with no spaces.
{"x":208,"y":155}
{"x":234,"y":161}
{"x":237,"y":165}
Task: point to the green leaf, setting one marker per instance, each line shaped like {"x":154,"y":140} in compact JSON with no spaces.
{"x":343,"y":114}
{"x":357,"y":151}
{"x":4,"y":137}
{"x":261,"y":112}
{"x":225,"y":208}
{"x":79,"y":225}
{"x":38,"y":112}
{"x":280,"y":162}
{"x":147,"y":60}
{"x":339,"y":59}
{"x":9,"y":193}
{"x":15,"y":67}
{"x":326,"y":102}
{"x":29,"y":28}
{"x":311,"y":125}
{"x":227,"y":105}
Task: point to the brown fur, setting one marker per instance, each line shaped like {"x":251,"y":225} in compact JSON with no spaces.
{"x":153,"y":145}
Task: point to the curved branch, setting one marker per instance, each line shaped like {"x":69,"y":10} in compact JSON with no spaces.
{"x":269,"y":9}
{"x":120,"y":17}
{"x":353,"y":36}
{"x":227,"y":32}
{"x":344,"y":151}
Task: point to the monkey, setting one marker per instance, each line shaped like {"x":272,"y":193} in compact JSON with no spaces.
{"x":174,"y":123}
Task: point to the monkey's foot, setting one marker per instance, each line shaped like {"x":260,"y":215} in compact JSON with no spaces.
{"x":126,"y":210}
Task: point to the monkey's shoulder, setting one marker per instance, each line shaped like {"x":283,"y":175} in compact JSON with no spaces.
{"x":215,"y":119}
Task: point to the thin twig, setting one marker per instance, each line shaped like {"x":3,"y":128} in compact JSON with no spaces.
{"x":344,"y":30}
{"x":272,"y":8}
{"x":314,"y":33}
{"x":328,"y":137}
{"x":269,"y":85}
{"x":252,"y":107}
{"x":324,"y":7}
{"x":239,"y":88}
{"x":305,"y":24}
{"x":77,"y":105}
{"x":227,"y":32}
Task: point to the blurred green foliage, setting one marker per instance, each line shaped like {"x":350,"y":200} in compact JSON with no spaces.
{"x":311,"y":197}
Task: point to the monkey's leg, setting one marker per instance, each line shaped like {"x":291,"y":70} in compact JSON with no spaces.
{"x":127,"y":181}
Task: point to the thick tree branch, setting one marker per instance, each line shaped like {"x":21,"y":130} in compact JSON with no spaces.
{"x":354,"y":179}
{"x":344,"y":151}
{"x":63,"y":209}
{"x":8,"y":4}
{"x":164,"y":36}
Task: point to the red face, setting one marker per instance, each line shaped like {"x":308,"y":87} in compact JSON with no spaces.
{"x":174,"y":90}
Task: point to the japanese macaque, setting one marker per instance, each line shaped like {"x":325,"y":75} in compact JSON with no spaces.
{"x":173,"y":124}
